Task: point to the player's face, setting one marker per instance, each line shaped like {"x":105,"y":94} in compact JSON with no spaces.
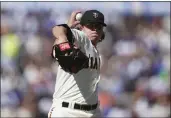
{"x":93,"y":31}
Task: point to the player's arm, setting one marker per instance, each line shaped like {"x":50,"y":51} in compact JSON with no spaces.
{"x":70,"y":58}
{"x":72,"y":22}
{"x":61,"y":33}
{"x":75,"y":26}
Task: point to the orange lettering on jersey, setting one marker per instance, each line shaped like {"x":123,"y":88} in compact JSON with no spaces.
{"x":92,"y":63}
{"x":95,"y":63}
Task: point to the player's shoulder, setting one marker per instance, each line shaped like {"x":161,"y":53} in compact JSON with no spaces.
{"x":80,"y":36}
{"x":78,"y":32}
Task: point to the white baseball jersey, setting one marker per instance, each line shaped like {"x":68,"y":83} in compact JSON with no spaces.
{"x":82,"y":86}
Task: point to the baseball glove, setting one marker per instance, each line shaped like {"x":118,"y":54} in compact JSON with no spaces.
{"x":70,"y":58}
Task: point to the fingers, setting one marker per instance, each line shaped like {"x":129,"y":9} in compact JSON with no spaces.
{"x":93,"y":35}
{"x":72,"y":22}
{"x":76,"y":23}
{"x":76,"y":12}
{"x":93,"y":32}
{"x":73,"y":15}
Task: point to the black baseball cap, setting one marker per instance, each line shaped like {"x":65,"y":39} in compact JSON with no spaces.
{"x":92,"y":16}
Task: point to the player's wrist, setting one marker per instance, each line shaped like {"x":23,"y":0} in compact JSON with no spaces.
{"x":69,"y":24}
{"x":62,"y":38}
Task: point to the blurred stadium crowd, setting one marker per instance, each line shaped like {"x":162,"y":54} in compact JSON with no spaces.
{"x":135,"y":75}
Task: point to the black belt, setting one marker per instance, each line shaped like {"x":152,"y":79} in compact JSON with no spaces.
{"x":81,"y":106}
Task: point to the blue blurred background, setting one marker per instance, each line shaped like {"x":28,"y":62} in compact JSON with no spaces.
{"x":135,"y":75}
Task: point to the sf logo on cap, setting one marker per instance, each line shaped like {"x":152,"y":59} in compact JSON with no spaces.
{"x":95,"y":15}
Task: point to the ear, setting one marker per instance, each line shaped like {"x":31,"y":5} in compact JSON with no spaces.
{"x":78,"y":27}
{"x":103,"y":37}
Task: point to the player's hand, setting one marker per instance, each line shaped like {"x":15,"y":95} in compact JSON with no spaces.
{"x":72,"y":22}
{"x":92,"y":35}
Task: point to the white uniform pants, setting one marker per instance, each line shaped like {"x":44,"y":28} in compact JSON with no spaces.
{"x":57,"y":110}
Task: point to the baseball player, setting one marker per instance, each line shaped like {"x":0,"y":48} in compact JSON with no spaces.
{"x":78,"y":72}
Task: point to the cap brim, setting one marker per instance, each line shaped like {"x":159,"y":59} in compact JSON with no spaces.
{"x":104,"y":24}
{"x":96,"y":22}
{"x":101,"y":23}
